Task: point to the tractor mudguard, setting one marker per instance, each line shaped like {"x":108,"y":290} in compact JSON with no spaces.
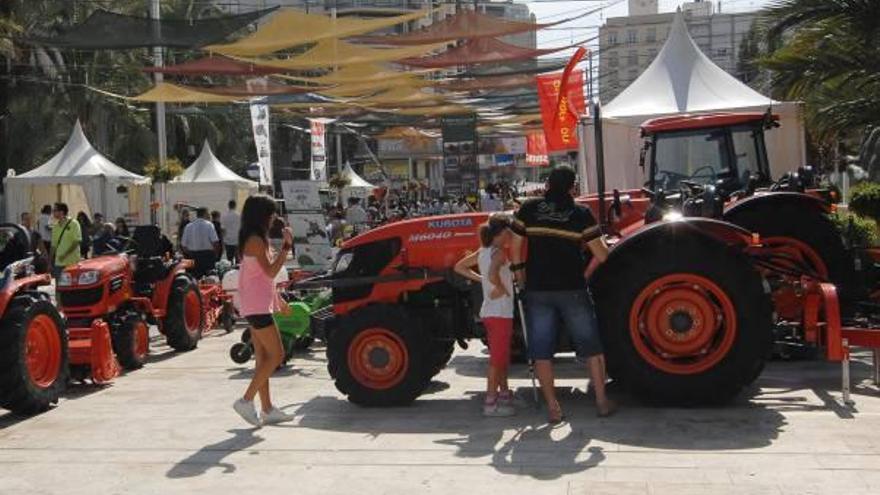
{"x":773,"y":200}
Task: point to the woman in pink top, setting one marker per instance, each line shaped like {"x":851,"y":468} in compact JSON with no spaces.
{"x":258,"y":300}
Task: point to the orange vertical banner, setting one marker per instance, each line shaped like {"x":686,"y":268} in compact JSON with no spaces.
{"x":560,"y":124}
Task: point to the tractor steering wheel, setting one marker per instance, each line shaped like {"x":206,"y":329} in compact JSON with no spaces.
{"x":712,"y":175}
{"x":669,"y":177}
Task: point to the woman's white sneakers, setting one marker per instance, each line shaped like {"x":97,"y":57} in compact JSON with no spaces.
{"x":275,"y":416}
{"x":247,"y":411}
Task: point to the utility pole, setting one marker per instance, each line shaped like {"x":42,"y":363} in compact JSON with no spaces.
{"x":156,"y":13}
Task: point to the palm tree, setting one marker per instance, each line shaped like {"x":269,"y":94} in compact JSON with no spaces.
{"x":827,"y":53}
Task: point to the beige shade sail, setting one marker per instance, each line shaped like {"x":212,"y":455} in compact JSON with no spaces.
{"x":290,"y":27}
{"x":433,"y":111}
{"x":359,"y":73}
{"x":331,"y":53}
{"x":402,"y":97}
{"x":371,"y":87}
{"x":172,"y":93}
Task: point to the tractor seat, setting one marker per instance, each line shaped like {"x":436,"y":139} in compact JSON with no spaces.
{"x":150,"y":270}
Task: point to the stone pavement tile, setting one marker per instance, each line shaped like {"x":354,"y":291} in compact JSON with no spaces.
{"x":654,"y":475}
{"x":608,"y":488}
{"x":840,"y":479}
{"x":663,"y":488}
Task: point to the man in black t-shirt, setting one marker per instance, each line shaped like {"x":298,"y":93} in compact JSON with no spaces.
{"x":557,"y":230}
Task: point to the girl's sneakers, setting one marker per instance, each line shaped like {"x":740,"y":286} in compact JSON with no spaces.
{"x":275,"y":416}
{"x":500,"y":406}
{"x":247,"y":411}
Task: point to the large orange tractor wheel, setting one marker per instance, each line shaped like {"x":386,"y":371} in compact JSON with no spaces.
{"x":380,"y":356}
{"x":688,"y":322}
{"x":33,"y":356}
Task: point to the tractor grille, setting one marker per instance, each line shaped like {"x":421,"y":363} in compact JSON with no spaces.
{"x":81,"y":297}
{"x":116,"y":284}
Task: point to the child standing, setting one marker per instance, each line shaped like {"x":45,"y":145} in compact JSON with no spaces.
{"x":497,"y":309}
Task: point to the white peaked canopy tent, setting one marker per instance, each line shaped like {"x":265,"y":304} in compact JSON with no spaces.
{"x":357,"y":186}
{"x":682,"y":79}
{"x":207,"y":183}
{"x":84,"y":179}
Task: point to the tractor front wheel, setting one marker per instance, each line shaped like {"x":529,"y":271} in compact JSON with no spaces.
{"x":33,"y":356}
{"x":689,"y":323}
{"x":184,"y":322}
{"x":378,"y":356}
{"x":131,"y":342}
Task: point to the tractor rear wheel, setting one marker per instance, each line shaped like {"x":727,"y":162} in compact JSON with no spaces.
{"x":184,"y":322}
{"x":808,"y":236}
{"x":689,"y":323}
{"x":440,"y":355}
{"x":131,"y":342}
{"x":378,"y":356}
{"x":33,"y":356}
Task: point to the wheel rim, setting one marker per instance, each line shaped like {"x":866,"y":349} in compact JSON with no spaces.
{"x":43,"y":351}
{"x":682,"y":324}
{"x":378,"y":358}
{"x":786,"y":298}
{"x":192,"y":311}
{"x":141,"y":340}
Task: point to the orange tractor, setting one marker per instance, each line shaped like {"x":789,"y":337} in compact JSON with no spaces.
{"x":707,"y":262}
{"x":114,"y":298}
{"x":33,"y":340}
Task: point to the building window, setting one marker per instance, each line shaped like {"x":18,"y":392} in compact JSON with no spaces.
{"x":612,"y":38}
{"x":652,"y":54}
{"x":632,"y":36}
{"x":721,"y":52}
{"x":612,"y":60}
{"x":651,"y":35}
{"x":632,"y":58}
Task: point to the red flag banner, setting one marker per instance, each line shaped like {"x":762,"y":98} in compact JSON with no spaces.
{"x":560,"y":125}
{"x":536,"y":150}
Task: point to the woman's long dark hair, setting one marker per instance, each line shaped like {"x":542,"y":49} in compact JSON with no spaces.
{"x":255,"y":215}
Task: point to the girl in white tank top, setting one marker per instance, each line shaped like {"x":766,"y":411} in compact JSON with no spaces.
{"x":497,"y":309}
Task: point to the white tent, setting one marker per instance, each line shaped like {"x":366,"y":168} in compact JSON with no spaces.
{"x":357,"y":186}
{"x":207,"y":183}
{"x":682,"y":79}
{"x":84,"y":179}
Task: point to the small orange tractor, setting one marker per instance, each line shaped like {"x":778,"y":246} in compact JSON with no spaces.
{"x":33,"y":340}
{"x":114,"y":298}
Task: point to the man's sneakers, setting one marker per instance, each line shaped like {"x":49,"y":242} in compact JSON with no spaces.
{"x":247,"y":411}
{"x":275,"y":416}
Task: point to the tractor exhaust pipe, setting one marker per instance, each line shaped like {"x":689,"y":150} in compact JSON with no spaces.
{"x":596,"y":113}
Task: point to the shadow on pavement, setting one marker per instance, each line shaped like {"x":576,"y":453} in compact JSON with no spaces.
{"x":211,"y":456}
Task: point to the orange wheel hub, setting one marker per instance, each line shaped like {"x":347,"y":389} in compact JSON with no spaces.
{"x":43,"y":351}
{"x":682,"y":324}
{"x":192,"y":311}
{"x":377,"y":358}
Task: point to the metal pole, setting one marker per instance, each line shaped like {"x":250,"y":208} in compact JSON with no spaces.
{"x":582,"y":156}
{"x":161,"y":136}
{"x":600,"y":160}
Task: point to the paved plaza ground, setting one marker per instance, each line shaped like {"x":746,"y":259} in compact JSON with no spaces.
{"x":169,"y":428}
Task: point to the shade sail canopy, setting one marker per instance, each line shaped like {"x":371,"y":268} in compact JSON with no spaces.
{"x":251,"y":90}
{"x":434,"y":110}
{"x":330,"y":53}
{"x":174,"y":93}
{"x":372,"y":87}
{"x":479,"y":51}
{"x":213,"y":65}
{"x":108,"y":30}
{"x":208,"y":169}
{"x":289,"y":28}
{"x":529,"y":67}
{"x":682,"y":79}
{"x":487,"y":83}
{"x":359,"y":73}
{"x":463,"y":25}
{"x":402,"y":97}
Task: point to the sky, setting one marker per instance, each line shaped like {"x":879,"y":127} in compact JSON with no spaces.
{"x":580,"y":29}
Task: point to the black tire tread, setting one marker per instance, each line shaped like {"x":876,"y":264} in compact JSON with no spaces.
{"x":174,"y":323}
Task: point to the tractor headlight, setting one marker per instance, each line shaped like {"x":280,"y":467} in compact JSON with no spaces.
{"x":342,"y":262}
{"x":87,"y":278}
{"x":65,"y":280}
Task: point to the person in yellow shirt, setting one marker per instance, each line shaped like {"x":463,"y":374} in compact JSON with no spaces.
{"x":66,"y":239}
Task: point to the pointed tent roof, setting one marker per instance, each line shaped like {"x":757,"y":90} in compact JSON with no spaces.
{"x":682,"y":79}
{"x":79,"y":160}
{"x":354,"y":180}
{"x":207,"y":168}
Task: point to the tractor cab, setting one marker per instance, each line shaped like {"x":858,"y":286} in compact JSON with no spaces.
{"x":15,"y":245}
{"x":722,"y":150}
